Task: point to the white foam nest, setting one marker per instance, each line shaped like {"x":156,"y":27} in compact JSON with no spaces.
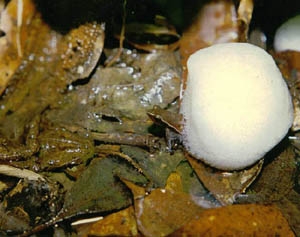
{"x":287,"y":36}
{"x":236,"y":105}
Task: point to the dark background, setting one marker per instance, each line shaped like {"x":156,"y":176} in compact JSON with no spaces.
{"x":64,"y":15}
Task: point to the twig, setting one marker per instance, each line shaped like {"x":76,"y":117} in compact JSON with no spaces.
{"x":20,"y":173}
{"x":122,"y":38}
{"x":19,"y":25}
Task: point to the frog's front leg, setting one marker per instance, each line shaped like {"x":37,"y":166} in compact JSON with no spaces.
{"x":10,"y":151}
{"x":173,"y":139}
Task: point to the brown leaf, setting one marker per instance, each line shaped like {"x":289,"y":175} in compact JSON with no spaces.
{"x":244,"y":17}
{"x":290,"y":208}
{"x":288,"y":60}
{"x":50,"y":62}
{"x":215,"y":23}
{"x":9,"y":58}
{"x":121,"y":223}
{"x":116,"y":99}
{"x":163,"y":210}
{"x":151,"y":37}
{"x":98,"y":189}
{"x":164,"y":117}
{"x":289,"y":65}
{"x":277,"y":177}
{"x":238,"y":220}
{"x":225,"y":185}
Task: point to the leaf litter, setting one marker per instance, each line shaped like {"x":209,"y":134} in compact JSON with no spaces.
{"x":82,"y":142}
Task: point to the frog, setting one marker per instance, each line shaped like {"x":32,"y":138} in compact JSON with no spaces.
{"x":47,"y":147}
{"x":62,"y":148}
{"x":173,"y":123}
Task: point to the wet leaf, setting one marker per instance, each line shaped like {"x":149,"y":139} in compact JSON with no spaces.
{"x":41,"y":72}
{"x":244,"y":17}
{"x":160,"y":28}
{"x":20,"y":173}
{"x":290,"y":208}
{"x":277,"y":177}
{"x":215,"y":23}
{"x":288,"y":62}
{"x":225,"y":185}
{"x":150,"y":37}
{"x":122,"y":223}
{"x":60,"y":178}
{"x":15,"y":39}
{"x":53,"y":61}
{"x":6,"y":183}
{"x":98,"y":188}
{"x":164,"y":210}
{"x":117,"y":98}
{"x":41,"y":200}
{"x":158,"y":165}
{"x":238,"y":220}
{"x":15,"y":220}
{"x":164,"y":117}
{"x":193,"y":186}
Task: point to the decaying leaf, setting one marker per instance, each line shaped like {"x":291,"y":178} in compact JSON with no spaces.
{"x":158,"y":166}
{"x":288,"y":62}
{"x":173,"y":120}
{"x":193,"y":186}
{"x":98,"y":188}
{"x":15,"y":220}
{"x":20,"y":173}
{"x":225,"y":186}
{"x":117,"y":98}
{"x":59,"y":133}
{"x":237,"y":220}
{"x":122,"y":223}
{"x":52,"y":63}
{"x":244,"y":17}
{"x":277,"y":177}
{"x":163,"y":210}
{"x":276,"y":183}
{"x":290,"y":208}
{"x":61,"y":178}
{"x":215,"y":23}
{"x":39,"y":200}
{"x":17,"y":38}
{"x":150,"y":37}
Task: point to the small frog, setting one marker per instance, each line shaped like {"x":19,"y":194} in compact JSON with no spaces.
{"x":46,"y":148}
{"x":173,"y":123}
{"x":61,"y":148}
